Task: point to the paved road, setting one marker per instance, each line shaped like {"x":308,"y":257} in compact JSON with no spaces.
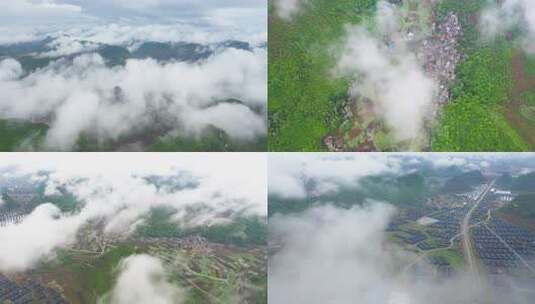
{"x":468,"y":248}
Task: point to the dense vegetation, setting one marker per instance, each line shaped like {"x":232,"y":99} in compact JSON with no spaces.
{"x":303,"y":97}
{"x":92,"y":280}
{"x":243,"y":231}
{"x":475,"y":120}
{"x":212,"y":140}
{"x":409,"y":191}
{"x":22,"y":135}
{"x":523,"y":184}
{"x":463,"y":182}
{"x":305,"y":100}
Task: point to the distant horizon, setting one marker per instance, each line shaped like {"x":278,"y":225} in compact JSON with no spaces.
{"x":24,"y":20}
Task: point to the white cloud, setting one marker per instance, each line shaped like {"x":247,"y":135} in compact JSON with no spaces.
{"x":143,"y":279}
{"x":9,"y":35}
{"x":37,"y":236}
{"x":68,"y":40}
{"x":180,"y":94}
{"x":444,"y":162}
{"x":391,"y":77}
{"x":332,"y":255}
{"x":288,"y":172}
{"x":10,"y":69}
{"x":497,"y":19}
{"x":287,"y":9}
{"x":129,"y":22}
{"x":114,"y":190}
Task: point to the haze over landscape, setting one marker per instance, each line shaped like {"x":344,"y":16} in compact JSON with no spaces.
{"x":401,"y":228}
{"x":173,"y":75}
{"x":175,"y":228}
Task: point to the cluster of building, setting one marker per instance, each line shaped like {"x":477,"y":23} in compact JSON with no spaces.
{"x":503,"y":248}
{"x":10,"y":217}
{"x":193,"y":242}
{"x":28,"y":292}
{"x":441,"y":55}
{"x":20,"y":192}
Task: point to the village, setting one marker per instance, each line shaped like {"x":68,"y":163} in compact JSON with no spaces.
{"x":434,"y":43}
{"x":504,"y":252}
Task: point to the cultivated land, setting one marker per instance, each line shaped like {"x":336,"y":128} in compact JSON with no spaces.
{"x":487,"y":86}
{"x":223,"y":263}
{"x":464,"y":232}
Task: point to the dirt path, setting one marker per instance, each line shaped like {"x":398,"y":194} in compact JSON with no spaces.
{"x":522,"y":83}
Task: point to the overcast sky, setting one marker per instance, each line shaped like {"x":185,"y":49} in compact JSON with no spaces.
{"x":22,"y":18}
{"x":60,"y":11}
{"x":288,"y":170}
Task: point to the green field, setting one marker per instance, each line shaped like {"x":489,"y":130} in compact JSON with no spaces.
{"x":18,"y":134}
{"x":303,"y":97}
{"x":83,"y":278}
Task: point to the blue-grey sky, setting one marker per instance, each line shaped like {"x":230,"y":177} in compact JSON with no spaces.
{"x":195,"y":20}
{"x":58,"y":11}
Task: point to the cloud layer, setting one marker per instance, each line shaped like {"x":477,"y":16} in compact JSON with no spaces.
{"x":181,"y":96}
{"x":170,"y":96}
{"x":69,"y":11}
{"x":298,"y":176}
{"x":143,"y":279}
{"x":332,"y":255}
{"x":288,"y":173}
{"x":114,"y":190}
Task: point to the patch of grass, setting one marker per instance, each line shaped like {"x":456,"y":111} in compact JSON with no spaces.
{"x":469,"y":126}
{"x":474,"y":119}
{"x":486,"y":76}
{"x":15,"y":133}
{"x":100,"y":278}
{"x":91,"y":280}
{"x":453,"y":257}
